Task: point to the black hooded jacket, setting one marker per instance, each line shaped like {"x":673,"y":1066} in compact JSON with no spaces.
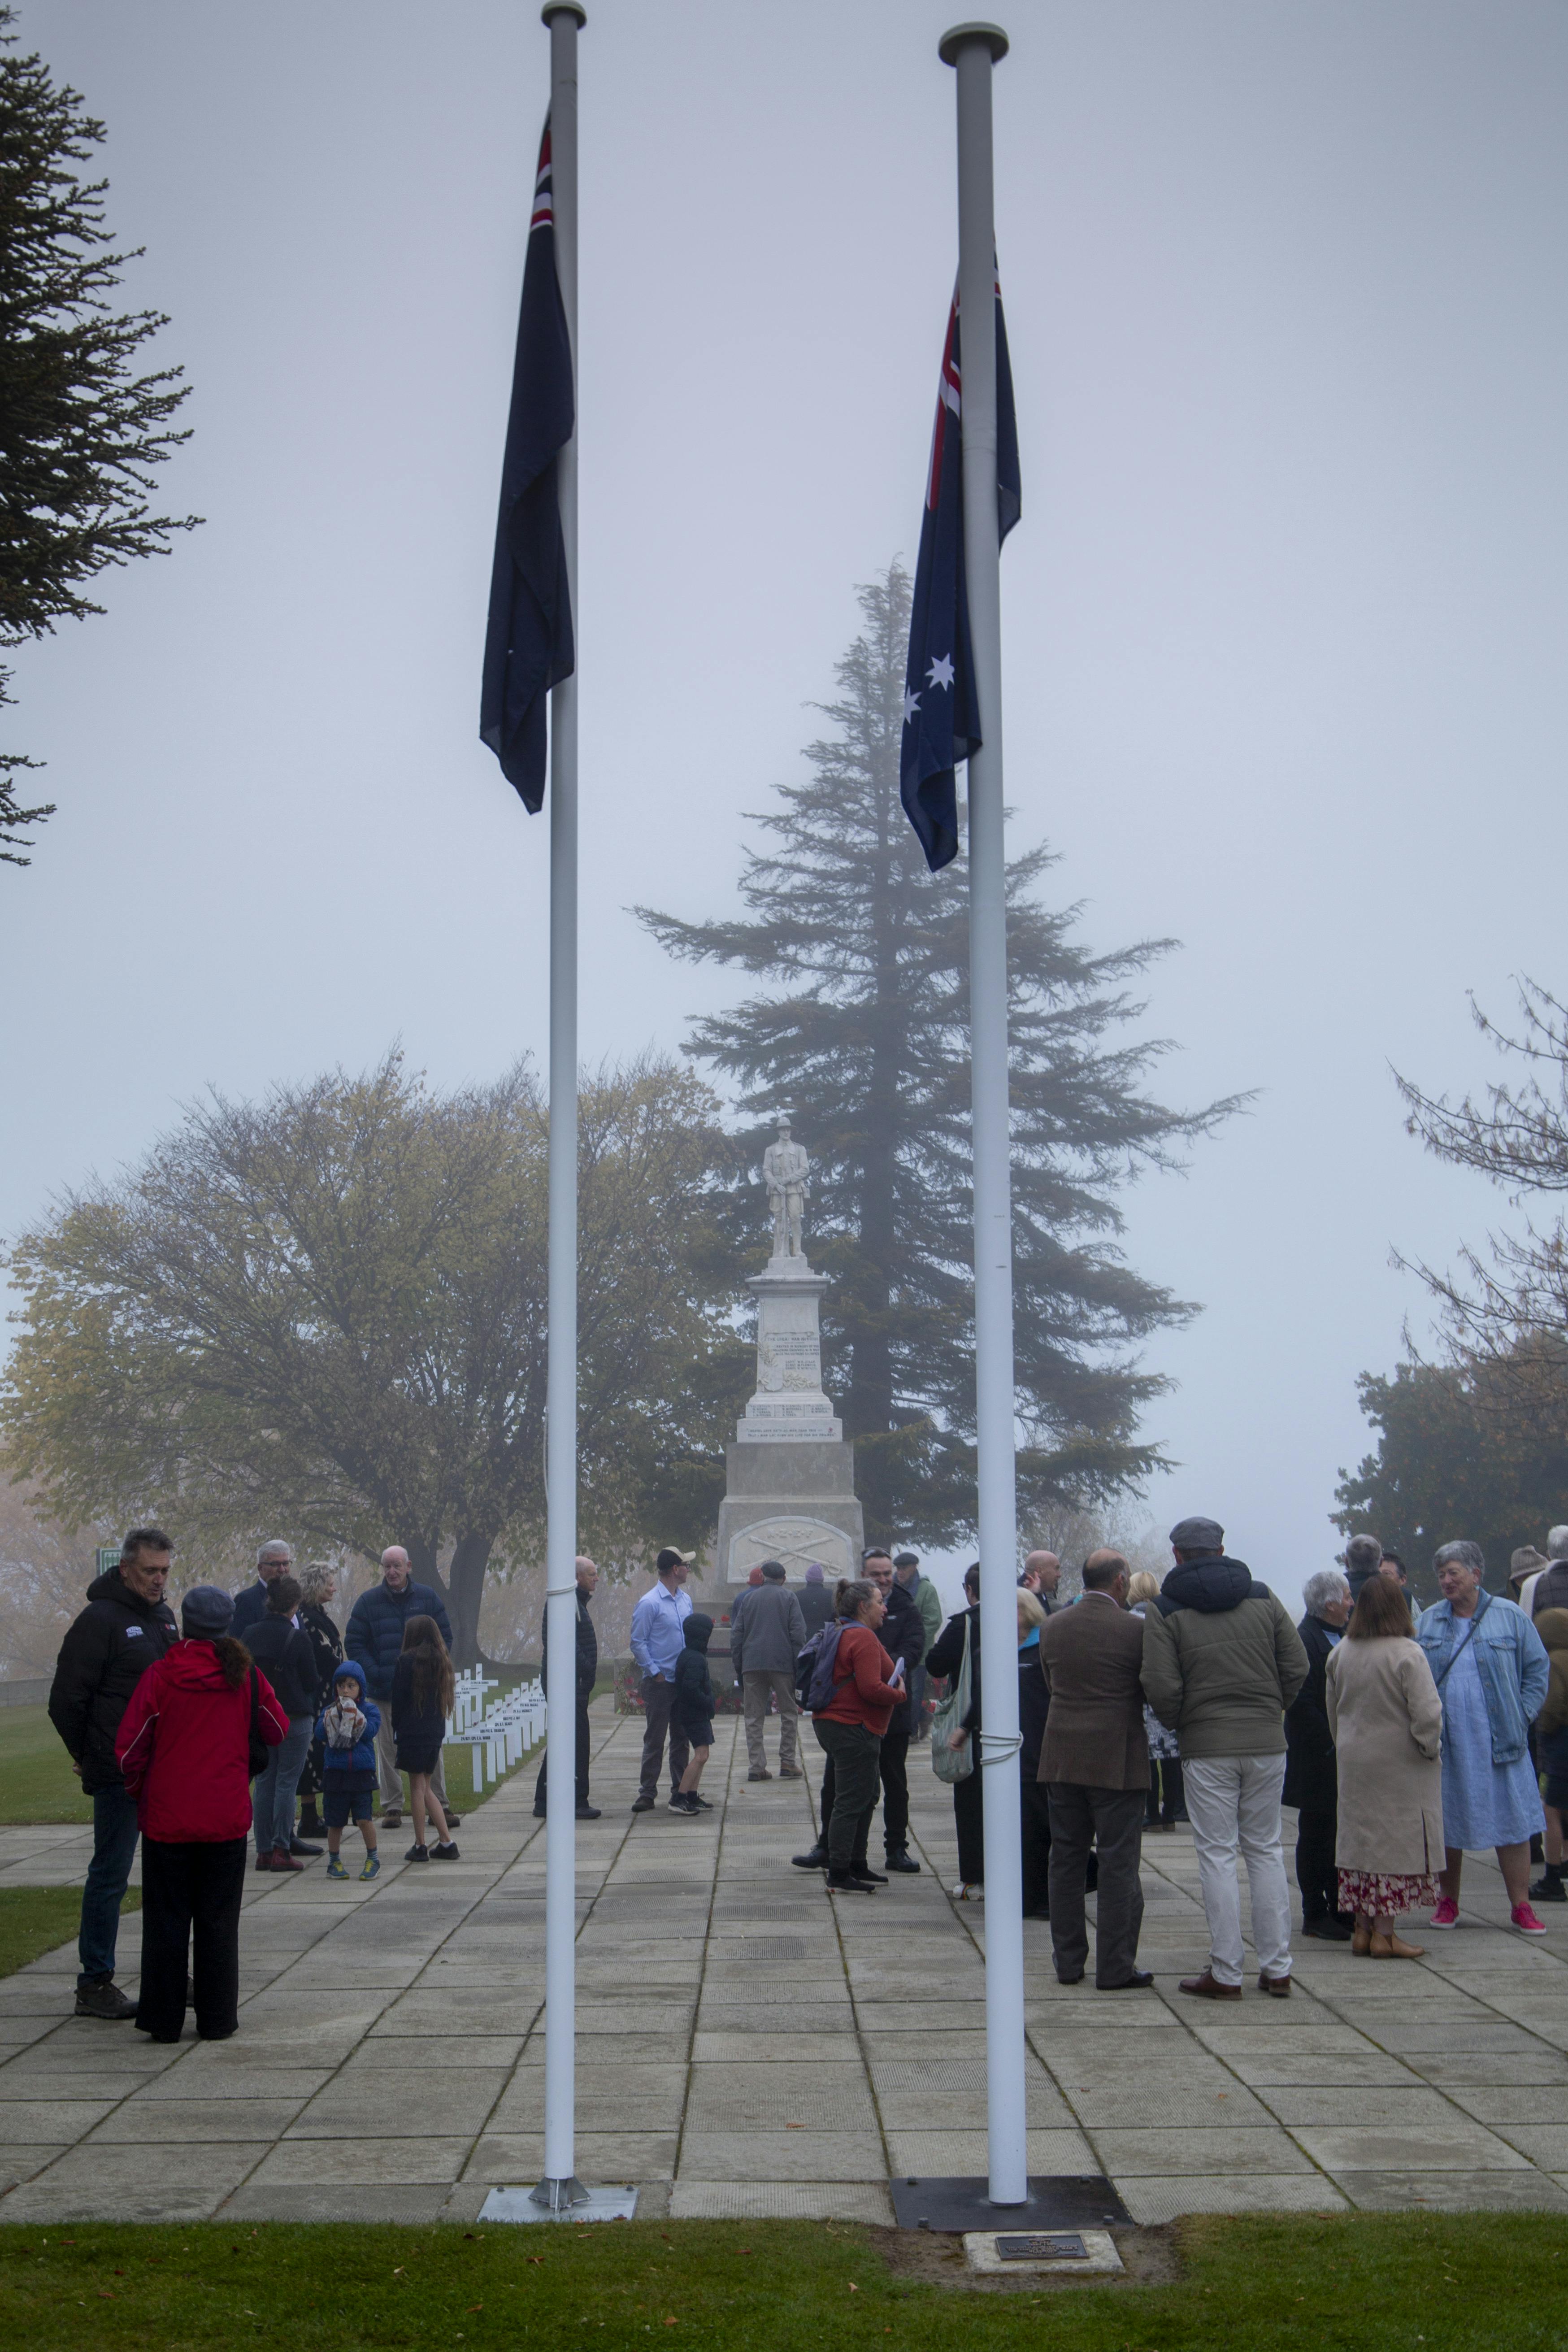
{"x":1210,"y":1584}
{"x":106,"y":1652}
{"x":692,"y":1706}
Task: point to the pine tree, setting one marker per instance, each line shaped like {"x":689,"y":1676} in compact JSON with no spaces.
{"x":864,"y":1039}
{"x":78,"y":428}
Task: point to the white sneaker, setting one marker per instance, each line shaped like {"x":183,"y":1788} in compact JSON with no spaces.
{"x":966,"y":1892}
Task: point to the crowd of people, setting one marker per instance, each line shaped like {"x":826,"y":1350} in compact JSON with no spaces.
{"x":1402,"y":1738}
{"x":197,"y":1738}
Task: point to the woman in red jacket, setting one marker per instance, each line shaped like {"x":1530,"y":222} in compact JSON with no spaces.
{"x":849,"y":1728}
{"x":184,"y":1747}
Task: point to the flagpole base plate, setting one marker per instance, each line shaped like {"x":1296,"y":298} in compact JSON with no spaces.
{"x":1058,"y":2200}
{"x":560,"y":2201}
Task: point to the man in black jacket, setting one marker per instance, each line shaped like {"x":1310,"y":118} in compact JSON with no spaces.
{"x":126,"y":1625}
{"x":273,"y":1561}
{"x":902,"y":1635}
{"x":377,"y":1622}
{"x":587,"y":1664}
{"x":1311,"y":1777}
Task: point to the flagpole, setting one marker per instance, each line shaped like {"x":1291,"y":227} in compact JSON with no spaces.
{"x":560,"y":2189}
{"x":973,"y":49}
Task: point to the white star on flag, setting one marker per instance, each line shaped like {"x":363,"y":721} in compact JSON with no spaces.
{"x":940,"y":671}
{"x":911,"y":704}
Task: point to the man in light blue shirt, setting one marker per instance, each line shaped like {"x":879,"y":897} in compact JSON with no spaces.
{"x":658,"y":1637}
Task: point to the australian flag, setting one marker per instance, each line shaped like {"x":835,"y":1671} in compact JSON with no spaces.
{"x":942,"y":710}
{"x":528,"y":639}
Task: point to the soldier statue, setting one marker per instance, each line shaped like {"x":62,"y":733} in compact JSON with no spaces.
{"x":785,"y":1166}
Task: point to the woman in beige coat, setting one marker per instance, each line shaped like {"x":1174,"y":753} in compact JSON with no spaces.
{"x":1387,"y":1723}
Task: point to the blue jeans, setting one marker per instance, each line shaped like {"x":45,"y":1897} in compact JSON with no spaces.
{"x":108,"y":1874}
{"x":272,"y":1792}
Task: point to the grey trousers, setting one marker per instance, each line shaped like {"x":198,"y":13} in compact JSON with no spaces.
{"x":758,"y":1684}
{"x":658,"y":1699}
{"x":1111,"y":1819}
{"x":388,"y":1775}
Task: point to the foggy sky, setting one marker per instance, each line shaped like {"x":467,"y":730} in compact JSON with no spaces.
{"x":1284,"y":617}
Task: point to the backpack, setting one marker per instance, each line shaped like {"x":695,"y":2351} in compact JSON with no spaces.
{"x":814,"y":1668}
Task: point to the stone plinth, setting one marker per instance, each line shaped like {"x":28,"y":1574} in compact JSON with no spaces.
{"x":789,"y":1407}
{"x":794,"y":1503}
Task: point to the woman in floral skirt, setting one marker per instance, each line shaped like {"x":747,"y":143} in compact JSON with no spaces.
{"x":1386,"y":1720}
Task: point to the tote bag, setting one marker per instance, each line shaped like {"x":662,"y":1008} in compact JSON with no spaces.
{"x":953,"y":1763}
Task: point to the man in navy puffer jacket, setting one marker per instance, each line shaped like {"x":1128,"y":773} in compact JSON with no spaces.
{"x":375,"y":1637}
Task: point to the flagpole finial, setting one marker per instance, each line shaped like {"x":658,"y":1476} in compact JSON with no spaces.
{"x":995,"y":38}
{"x":563,"y":8}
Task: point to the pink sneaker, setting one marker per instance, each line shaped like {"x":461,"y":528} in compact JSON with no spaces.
{"x":1446,"y":1915}
{"x":1525,"y":1920}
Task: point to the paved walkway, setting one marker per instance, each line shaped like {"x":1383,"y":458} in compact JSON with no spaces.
{"x":747,"y":2046}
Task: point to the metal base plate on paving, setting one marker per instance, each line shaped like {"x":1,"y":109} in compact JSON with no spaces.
{"x":1042,"y":2253}
{"x":600,"y":2205}
{"x":1056,"y":2200}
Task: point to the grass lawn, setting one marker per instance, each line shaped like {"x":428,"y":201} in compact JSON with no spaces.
{"x":36,"y":1784}
{"x":35,"y":1919}
{"x":1256,"y":2283}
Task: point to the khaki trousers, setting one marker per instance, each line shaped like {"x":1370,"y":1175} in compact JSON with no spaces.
{"x":757,"y":1686}
{"x":391,"y":1779}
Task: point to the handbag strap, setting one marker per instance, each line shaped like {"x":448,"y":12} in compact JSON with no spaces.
{"x":1482,"y":1605}
{"x":255,"y":1706}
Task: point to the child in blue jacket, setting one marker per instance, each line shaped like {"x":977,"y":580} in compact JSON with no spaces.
{"x":347,"y":1728}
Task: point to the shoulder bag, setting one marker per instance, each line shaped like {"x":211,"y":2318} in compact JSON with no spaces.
{"x":953,"y":1763}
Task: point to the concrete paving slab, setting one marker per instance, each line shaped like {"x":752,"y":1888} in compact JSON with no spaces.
{"x":779,"y":2200}
{"x":414,"y":2103}
{"x":35,"y":2122}
{"x":1451,"y":2192}
{"x":147,"y":2122}
{"x":1398,"y":2107}
{"x":1151,"y":2201}
{"x":1454,"y":2148}
{"x":348,"y":2161}
{"x":1171,"y":2151}
{"x":783,"y":2156}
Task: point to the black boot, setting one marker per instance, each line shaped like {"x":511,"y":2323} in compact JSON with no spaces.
{"x":901,"y":1859}
{"x":1549,"y":1888}
{"x":815,"y":1860}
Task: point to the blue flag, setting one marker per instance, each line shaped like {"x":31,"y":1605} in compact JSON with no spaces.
{"x":528,"y":638}
{"x":942,"y":712}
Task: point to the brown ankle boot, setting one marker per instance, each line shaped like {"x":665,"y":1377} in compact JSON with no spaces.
{"x":1361,"y":1942}
{"x":1394,"y":1948}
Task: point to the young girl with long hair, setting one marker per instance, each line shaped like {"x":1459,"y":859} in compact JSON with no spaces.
{"x":422,"y":1691}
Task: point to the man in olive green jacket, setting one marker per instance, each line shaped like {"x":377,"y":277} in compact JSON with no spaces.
{"x":1221,"y":1664}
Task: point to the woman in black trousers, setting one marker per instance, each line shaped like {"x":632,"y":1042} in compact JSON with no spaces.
{"x":944,"y":1658}
{"x":183,"y":1747}
{"x":1312,"y":1768}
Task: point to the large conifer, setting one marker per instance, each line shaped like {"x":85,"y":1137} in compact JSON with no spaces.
{"x":864,"y":1038}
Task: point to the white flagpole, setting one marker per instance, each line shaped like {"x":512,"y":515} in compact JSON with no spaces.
{"x":973,"y":49}
{"x":560,"y":2188}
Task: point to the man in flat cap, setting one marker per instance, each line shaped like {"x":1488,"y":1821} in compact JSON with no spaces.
{"x":1221,"y":1664}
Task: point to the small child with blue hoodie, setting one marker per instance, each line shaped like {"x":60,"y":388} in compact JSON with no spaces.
{"x":346,"y":1728}
{"x":692,"y":1709}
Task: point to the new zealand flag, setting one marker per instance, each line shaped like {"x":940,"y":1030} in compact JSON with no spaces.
{"x":528,"y":639}
{"x":942,"y":712}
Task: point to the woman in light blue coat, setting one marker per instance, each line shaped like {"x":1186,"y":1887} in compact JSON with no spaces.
{"x":1491,"y":1671}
